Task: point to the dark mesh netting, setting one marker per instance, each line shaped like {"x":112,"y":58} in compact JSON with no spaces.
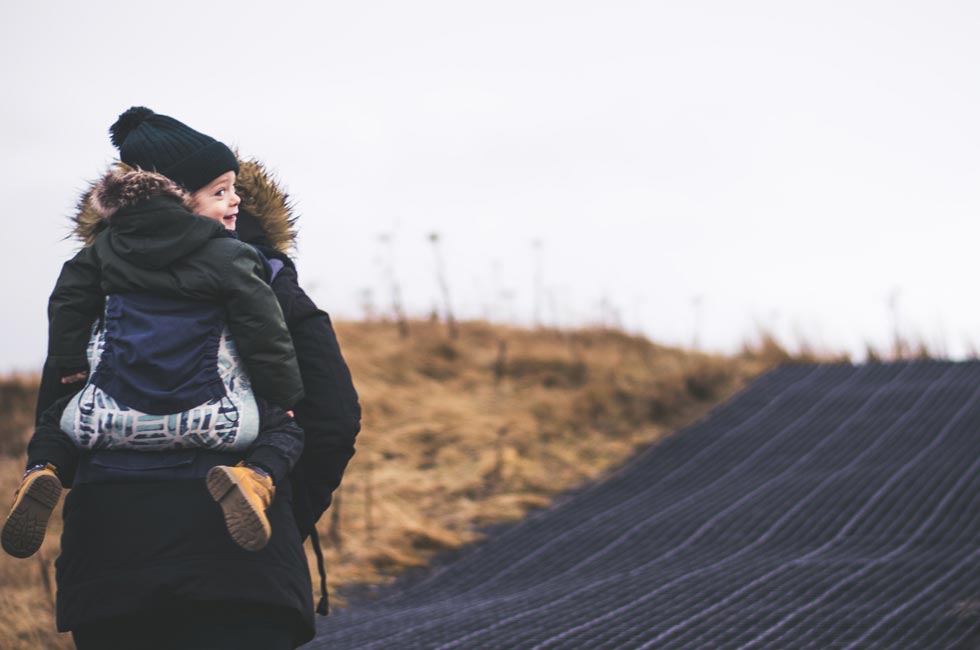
{"x":823,"y":507}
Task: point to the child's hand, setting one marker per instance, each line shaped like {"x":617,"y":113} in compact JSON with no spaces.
{"x":78,"y":376}
{"x":290,"y":414}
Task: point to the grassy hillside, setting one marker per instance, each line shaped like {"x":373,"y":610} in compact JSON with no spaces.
{"x":458,"y":434}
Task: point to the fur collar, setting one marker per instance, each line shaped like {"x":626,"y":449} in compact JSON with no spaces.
{"x":263,"y":197}
{"x":123,"y":186}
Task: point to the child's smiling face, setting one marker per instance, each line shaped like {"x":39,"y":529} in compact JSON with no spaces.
{"x":217,"y":200}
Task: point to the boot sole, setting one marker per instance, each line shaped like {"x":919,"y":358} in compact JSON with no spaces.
{"x":24,"y":530}
{"x":248,"y":526}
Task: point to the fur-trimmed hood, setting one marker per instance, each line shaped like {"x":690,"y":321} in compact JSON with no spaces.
{"x":124,"y":186}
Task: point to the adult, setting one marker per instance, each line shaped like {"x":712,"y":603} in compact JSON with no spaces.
{"x":146,"y":561}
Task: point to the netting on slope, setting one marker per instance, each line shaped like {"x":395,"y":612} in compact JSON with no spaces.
{"x":823,"y":507}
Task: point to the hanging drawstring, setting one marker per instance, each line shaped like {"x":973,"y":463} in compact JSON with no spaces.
{"x":82,"y":407}
{"x":323,"y":607}
{"x":227,"y":410}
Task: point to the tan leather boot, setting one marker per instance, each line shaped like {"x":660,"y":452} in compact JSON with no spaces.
{"x":244,"y":495}
{"x":34,"y":501}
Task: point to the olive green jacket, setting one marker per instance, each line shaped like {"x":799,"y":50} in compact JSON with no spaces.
{"x":147,"y":241}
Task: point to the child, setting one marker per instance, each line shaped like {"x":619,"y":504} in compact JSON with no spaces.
{"x":167,"y":274}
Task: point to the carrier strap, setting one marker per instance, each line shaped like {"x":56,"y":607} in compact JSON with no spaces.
{"x":274,"y":267}
{"x":323,"y":607}
{"x":128,"y":466}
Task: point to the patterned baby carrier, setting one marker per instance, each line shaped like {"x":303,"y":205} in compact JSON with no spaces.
{"x":166,"y":375}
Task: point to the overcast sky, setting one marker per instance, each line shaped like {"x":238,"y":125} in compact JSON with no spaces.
{"x":700,"y":167}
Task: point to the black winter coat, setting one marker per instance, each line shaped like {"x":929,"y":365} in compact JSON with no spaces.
{"x":330,"y":413}
{"x":142,"y":534}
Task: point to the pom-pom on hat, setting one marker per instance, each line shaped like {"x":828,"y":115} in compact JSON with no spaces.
{"x":162,"y":144}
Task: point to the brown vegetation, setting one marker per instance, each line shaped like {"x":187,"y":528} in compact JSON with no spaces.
{"x":458,"y":434}
{"x":463,"y":433}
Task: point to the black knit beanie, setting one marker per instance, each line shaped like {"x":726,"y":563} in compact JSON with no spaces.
{"x":159,"y":143}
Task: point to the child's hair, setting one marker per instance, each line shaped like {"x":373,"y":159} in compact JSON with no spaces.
{"x":155,"y":142}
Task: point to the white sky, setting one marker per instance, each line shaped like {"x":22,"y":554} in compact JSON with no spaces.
{"x":793,"y":164}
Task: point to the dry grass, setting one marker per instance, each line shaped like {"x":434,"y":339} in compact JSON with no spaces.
{"x":460,"y":434}
{"x":27,"y":596}
{"x":18,"y":395}
{"x":457,"y":435}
